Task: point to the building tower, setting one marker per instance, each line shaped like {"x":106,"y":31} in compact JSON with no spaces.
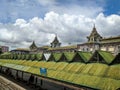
{"x":55,"y":43}
{"x":94,"y":38}
{"x":33,"y":46}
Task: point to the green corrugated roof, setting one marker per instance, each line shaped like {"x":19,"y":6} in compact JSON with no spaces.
{"x":74,"y":67}
{"x":33,"y":56}
{"x":10,"y":65}
{"x":1,"y":63}
{"x":27,"y":56}
{"x":69,"y":55}
{"x":34,"y":70}
{"x":25,"y":68}
{"x":39,"y":56}
{"x":94,"y":75}
{"x":114,"y":71}
{"x":23,"y":57}
{"x":57,"y":56}
{"x":85,"y":55}
{"x":6,"y":53}
{"x":61,"y":65}
{"x":100,"y":83}
{"x":18,"y":67}
{"x":107,"y":56}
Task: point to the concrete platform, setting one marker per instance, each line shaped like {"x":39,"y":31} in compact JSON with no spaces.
{"x":6,"y":84}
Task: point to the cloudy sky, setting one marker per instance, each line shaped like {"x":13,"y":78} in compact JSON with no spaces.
{"x":22,"y":21}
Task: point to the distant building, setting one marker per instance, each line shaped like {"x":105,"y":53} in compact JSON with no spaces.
{"x":4,"y":49}
{"x":111,"y":44}
{"x":33,"y":47}
{"x":20,"y":51}
{"x":71,"y":48}
{"x":55,"y":43}
{"x":97,"y":42}
{"x":43,"y":49}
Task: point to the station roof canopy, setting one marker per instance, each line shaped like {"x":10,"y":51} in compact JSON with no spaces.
{"x":102,"y":57}
{"x":91,"y":75}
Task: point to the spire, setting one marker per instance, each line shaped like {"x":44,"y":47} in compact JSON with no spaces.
{"x":55,"y":39}
{"x":33,"y":46}
{"x":55,"y":42}
{"x":94,"y":25}
{"x":94,"y":29}
{"x":94,"y":36}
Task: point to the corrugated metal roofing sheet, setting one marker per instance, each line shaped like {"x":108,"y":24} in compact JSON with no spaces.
{"x":94,"y":75}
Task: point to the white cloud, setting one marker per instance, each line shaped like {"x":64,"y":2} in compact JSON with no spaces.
{"x":108,"y":25}
{"x":20,"y":21}
{"x":26,"y":9}
{"x":69,"y":28}
{"x":89,"y":11}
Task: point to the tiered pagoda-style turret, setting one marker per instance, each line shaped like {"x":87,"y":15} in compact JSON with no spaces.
{"x":55,"y":43}
{"x":94,"y":37}
{"x":33,"y":46}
